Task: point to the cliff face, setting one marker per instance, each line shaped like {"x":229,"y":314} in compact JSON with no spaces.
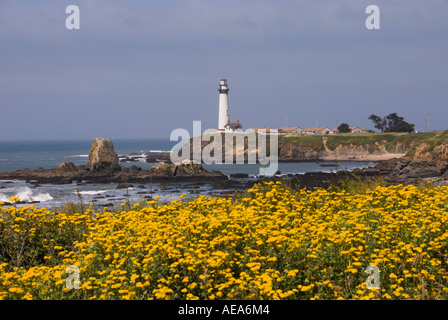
{"x":340,"y":148}
{"x":291,"y":151}
{"x":429,"y":152}
{"x":420,"y":147}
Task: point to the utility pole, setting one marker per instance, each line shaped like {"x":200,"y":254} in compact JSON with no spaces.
{"x":286,"y":119}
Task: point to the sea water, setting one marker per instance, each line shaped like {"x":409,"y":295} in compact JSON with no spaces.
{"x":15,"y":155}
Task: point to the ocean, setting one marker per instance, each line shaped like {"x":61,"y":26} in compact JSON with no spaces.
{"x":15,"y":155}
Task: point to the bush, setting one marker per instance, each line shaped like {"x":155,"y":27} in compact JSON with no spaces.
{"x":274,"y":243}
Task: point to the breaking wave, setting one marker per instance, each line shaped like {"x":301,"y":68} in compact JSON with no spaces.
{"x":26,"y":194}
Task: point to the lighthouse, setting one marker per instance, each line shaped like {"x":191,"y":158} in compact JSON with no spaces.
{"x":223,"y":104}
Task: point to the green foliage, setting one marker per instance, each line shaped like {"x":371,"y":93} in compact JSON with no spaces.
{"x":379,"y":123}
{"x":28,"y":237}
{"x":391,"y":123}
{"x":410,"y":140}
{"x":314,"y":141}
{"x":357,"y":185}
{"x":71,"y":208}
{"x":405,"y":142}
{"x":366,"y":140}
{"x":273,"y":243}
{"x":344,"y":128}
{"x":401,"y":142}
{"x":432,"y":140}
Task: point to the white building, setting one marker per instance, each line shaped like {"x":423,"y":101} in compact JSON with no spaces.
{"x":317,"y":130}
{"x":224,"y":117}
{"x":291,"y":130}
{"x":231,"y":127}
{"x":358,"y":130}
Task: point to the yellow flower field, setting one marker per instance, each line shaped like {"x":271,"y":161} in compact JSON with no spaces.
{"x":271,"y":243}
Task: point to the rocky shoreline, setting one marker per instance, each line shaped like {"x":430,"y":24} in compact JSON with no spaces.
{"x":164,"y":156}
{"x":393,"y":172}
{"x":67,"y":172}
{"x":103,"y":167}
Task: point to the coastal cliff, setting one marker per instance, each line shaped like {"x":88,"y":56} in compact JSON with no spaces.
{"x":434,"y":150}
{"x":376,"y":147}
{"x":430,"y":147}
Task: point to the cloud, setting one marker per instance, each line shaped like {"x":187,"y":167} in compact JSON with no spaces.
{"x":162,"y":57}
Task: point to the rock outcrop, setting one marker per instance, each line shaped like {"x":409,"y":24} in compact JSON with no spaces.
{"x":103,"y":167}
{"x":186,"y":169}
{"x":404,"y":171}
{"x":437,"y":154}
{"x":67,"y":166}
{"x":102,"y":156}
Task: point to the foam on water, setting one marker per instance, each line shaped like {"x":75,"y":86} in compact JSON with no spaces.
{"x":25,"y":194}
{"x":91,"y":192}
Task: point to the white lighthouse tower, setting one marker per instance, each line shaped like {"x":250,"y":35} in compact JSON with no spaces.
{"x":223,"y":104}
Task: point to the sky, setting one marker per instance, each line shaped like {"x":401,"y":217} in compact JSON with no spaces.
{"x":140,"y":69}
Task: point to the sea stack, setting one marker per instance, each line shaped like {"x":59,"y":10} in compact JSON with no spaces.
{"x":102,"y":156}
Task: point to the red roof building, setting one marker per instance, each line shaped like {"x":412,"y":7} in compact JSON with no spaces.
{"x":230,"y":127}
